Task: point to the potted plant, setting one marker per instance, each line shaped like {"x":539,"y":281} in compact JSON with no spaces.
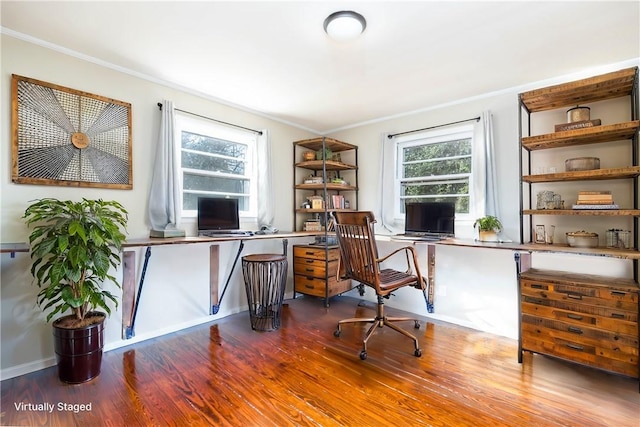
{"x":73,"y":247}
{"x":488,"y":228}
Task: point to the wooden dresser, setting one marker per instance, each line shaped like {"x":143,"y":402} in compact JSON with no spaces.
{"x":587,"y":319}
{"x":314,"y":269}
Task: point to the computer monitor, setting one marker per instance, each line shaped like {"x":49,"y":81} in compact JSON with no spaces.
{"x":218,"y":213}
{"x":430,"y":218}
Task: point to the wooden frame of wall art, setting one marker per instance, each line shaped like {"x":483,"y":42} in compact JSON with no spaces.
{"x":67,"y":137}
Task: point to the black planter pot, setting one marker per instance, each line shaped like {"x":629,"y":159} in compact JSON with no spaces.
{"x":79,"y":351}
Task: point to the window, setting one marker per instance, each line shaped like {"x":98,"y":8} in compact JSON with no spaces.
{"x":435,"y":166}
{"x":216,"y":161}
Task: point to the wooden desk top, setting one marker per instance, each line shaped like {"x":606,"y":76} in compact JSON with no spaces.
{"x":154,"y":241}
{"x":13,"y":247}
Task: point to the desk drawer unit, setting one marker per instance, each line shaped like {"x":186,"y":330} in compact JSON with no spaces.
{"x":585,"y":319}
{"x":314,"y":269}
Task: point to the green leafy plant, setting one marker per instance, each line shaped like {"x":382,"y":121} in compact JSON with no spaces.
{"x":488,"y":223}
{"x":73,"y":246}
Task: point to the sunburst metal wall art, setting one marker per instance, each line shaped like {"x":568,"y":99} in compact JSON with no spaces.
{"x":63,"y":136}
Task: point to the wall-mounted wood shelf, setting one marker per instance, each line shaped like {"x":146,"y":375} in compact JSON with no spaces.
{"x":335,"y":187}
{"x":592,"y":89}
{"x":591,"y":135}
{"x":315,"y":144}
{"x":583,"y":212}
{"x":329,"y":165}
{"x":590,"y":175}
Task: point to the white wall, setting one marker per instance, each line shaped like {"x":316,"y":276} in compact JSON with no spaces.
{"x":175,"y":292}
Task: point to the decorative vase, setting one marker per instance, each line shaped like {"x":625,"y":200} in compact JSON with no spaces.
{"x":487,"y":236}
{"x":327,"y":154}
{"x":79,"y":351}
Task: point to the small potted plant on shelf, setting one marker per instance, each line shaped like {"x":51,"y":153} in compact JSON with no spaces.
{"x":73,"y":247}
{"x":488,"y":228}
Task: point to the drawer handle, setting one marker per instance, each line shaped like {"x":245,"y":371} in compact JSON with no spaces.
{"x":309,"y":253}
{"x":574,"y":316}
{"x":309,"y":278}
{"x":537,"y":286}
{"x":575,"y":330}
{"x":618,"y":293}
{"x":617,"y":315}
{"x":574,"y":296}
{"x":308,"y":286}
{"x":575,"y":347}
{"x":309,"y":261}
{"x":309,"y":269}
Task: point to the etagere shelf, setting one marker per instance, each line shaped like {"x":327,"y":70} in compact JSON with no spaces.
{"x":335,"y":178}
{"x":584,"y":318}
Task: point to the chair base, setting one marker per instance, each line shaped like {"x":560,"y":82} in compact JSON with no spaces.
{"x":380,"y":321}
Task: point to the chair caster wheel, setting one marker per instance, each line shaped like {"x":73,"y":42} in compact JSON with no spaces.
{"x":417,"y":325}
{"x":417,"y":353}
{"x":363,"y":355}
{"x":336,"y":333}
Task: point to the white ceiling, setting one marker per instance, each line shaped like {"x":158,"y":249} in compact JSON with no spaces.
{"x":273,"y":57}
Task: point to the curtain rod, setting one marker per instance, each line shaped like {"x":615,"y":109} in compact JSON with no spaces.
{"x":259,"y":132}
{"x":434,"y":127}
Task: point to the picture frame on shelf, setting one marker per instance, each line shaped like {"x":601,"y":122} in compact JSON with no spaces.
{"x":540,"y":234}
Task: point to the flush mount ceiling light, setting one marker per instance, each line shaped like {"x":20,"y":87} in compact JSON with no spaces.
{"x":344,"y":25}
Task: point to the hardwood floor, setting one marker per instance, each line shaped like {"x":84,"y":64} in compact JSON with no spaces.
{"x":225,"y":374}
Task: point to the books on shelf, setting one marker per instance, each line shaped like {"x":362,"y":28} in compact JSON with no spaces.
{"x":337,"y":201}
{"x":595,"y":198}
{"x":578,"y":125}
{"x":596,"y":206}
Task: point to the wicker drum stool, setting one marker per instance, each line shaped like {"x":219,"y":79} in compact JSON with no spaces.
{"x":265,"y":279}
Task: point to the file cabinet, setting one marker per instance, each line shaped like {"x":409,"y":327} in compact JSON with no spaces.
{"x":314,"y":269}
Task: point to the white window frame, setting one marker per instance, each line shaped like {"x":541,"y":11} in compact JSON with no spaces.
{"x":432,"y":137}
{"x":190,"y":123}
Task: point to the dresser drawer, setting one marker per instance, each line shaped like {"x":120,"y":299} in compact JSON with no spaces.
{"x":579,"y":307}
{"x":617,"y":346}
{"x":317,"y":287}
{"x":314,"y":267}
{"x":621,"y":298}
{"x":614,"y":325}
{"x":316,"y":253}
{"x":580,"y":352}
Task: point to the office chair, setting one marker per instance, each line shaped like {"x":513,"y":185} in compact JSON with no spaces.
{"x":359,"y":261}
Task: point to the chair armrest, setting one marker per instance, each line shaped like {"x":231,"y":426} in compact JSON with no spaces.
{"x":406,"y":250}
{"x":411,"y":261}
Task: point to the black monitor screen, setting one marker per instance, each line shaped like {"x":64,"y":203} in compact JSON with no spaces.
{"x":430,"y":217}
{"x":216,"y":213}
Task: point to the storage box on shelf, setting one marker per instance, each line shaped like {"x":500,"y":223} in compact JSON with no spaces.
{"x":587,"y":319}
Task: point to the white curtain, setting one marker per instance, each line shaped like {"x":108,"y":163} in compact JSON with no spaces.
{"x":165,"y":196}
{"x":266,"y":214}
{"x":484,"y":168}
{"x":385,"y":214}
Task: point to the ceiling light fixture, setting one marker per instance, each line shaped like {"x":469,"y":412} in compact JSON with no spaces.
{"x":344,"y":25}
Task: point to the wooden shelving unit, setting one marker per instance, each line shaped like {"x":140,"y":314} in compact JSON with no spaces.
{"x":584,"y":318}
{"x":315,"y":265}
{"x":623,"y":83}
{"x":322,"y":168}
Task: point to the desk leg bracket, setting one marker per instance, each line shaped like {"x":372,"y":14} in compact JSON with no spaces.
{"x":129,"y":324}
